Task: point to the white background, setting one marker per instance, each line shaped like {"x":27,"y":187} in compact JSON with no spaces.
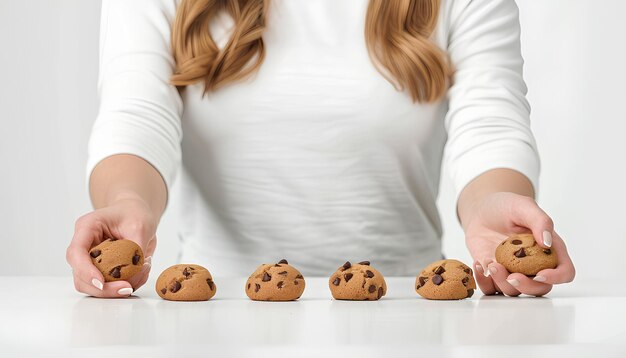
{"x":575,"y":53}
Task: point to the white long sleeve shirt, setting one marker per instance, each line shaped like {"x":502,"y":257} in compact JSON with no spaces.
{"x":317,"y":158}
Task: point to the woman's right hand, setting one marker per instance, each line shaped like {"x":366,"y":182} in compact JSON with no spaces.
{"x":127,"y":219}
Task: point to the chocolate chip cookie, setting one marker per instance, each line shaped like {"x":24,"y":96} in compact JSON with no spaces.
{"x":358,"y":282}
{"x":446,"y":280}
{"x":520,"y":253}
{"x":186,"y":283}
{"x":275,"y":282}
{"x":117,"y":259}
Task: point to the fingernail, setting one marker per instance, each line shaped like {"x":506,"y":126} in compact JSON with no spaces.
{"x":513,"y":282}
{"x":547,"y":238}
{"x":97,"y":283}
{"x":539,"y":279}
{"x":479,"y":268}
{"x":492,"y":270}
{"x":125,"y":291}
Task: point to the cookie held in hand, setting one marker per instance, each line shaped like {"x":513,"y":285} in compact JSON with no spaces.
{"x":520,"y":253}
{"x":446,"y":280}
{"x":186,"y":282}
{"x":358,"y":282}
{"x":118,"y":260}
{"x":275,"y":282}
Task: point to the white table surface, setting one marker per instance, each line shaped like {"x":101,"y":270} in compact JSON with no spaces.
{"x":43,"y":315}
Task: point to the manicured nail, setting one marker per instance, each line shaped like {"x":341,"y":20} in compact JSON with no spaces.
{"x":547,"y":238}
{"x":539,"y":279}
{"x":97,"y":283}
{"x":492,"y":270}
{"x":513,"y":282}
{"x":125,"y":291}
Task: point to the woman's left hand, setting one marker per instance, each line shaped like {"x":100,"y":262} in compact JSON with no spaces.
{"x":496,"y":217}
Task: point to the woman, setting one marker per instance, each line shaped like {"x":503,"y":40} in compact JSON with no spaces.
{"x":313,"y":130}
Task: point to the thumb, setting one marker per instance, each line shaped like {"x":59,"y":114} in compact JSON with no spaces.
{"x":526,"y":213}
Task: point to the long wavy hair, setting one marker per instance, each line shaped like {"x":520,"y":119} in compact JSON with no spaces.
{"x":397,"y":33}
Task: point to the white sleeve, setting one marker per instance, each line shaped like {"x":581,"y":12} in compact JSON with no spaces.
{"x":488,"y":122}
{"x":139,"y":109}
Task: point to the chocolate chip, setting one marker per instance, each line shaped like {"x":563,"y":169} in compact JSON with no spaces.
{"x":369,"y":274}
{"x":282,"y":273}
{"x":516,"y":242}
{"x":467,"y":270}
{"x":248,"y":286}
{"x":295,"y":282}
{"x":380,"y":292}
{"x":470,"y":293}
{"x":279,"y":284}
{"x":547,"y":251}
{"x":266,"y":277}
{"x":257,"y":287}
{"x":163,"y":290}
{"x":210,"y":283}
{"x":283,"y":261}
{"x":520,"y":253}
{"x":348,"y":276}
{"x":186,"y":273}
{"x":423,"y":280}
{"x":437,"y":280}
{"x":136,"y":259}
{"x":336,"y":281}
{"x":299,"y":276}
{"x":347,"y":265}
{"x":465,"y":281}
{"x":116,"y":272}
{"x":95,"y":253}
{"x":366,"y":263}
{"x":439,"y":270}
{"x":372,"y":288}
{"x":175,"y":287}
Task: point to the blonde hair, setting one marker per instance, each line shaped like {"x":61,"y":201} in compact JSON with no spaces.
{"x":397,"y":33}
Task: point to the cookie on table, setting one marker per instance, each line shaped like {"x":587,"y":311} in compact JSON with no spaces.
{"x":358,"y":282}
{"x":446,"y":280}
{"x":117,"y":259}
{"x":520,"y":253}
{"x":275,"y":282}
{"x":186,"y":282}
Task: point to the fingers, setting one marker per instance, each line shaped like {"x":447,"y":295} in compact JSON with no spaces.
{"x":564,"y":272}
{"x":499,"y":276}
{"x":115,"y":289}
{"x":528,"y":214}
{"x":484,"y":283}
{"x":525,"y":285}
{"x":77,"y":255}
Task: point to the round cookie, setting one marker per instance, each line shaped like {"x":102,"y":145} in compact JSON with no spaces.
{"x":186,"y":283}
{"x":359,"y":282}
{"x":275,"y":282}
{"x":118,"y":260}
{"x":445,"y":280}
{"x":520,"y":253}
